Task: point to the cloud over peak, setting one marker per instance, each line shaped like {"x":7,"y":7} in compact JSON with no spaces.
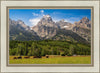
{"x":34,"y":21}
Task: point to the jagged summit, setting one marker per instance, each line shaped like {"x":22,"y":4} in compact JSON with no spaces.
{"x":84,"y":23}
{"x":84,"y":20}
{"x":46,"y":18}
{"x":19,"y":24}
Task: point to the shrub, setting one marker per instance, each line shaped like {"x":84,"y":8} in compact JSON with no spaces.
{"x":58,"y":53}
{"x":62,"y":54}
{"x":69,"y":54}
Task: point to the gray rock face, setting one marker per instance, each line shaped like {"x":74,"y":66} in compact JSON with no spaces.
{"x":47,"y":21}
{"x":83,"y":28}
{"x":19,"y":24}
{"x":22,"y":24}
{"x":46,"y":27}
{"x":64,"y":25}
{"x":84,"y":23}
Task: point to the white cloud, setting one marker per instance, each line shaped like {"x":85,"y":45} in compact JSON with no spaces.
{"x":42,"y":11}
{"x":35,"y":14}
{"x":41,"y":14}
{"x":34,"y":21}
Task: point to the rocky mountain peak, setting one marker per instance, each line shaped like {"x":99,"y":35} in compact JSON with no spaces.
{"x":46,"y":18}
{"x":82,"y":28}
{"x":84,"y":20}
{"x":62,"y":24}
{"x":46,"y":27}
{"x":21,"y":22}
{"x":47,"y":21}
{"x":12,"y":22}
{"x":84,"y":23}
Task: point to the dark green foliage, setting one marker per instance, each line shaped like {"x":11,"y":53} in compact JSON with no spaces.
{"x":48,"y":47}
{"x":69,"y":54}
{"x":62,"y":54}
{"x":69,"y":35}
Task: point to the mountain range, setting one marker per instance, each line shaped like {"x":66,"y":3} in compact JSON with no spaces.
{"x":46,"y":28}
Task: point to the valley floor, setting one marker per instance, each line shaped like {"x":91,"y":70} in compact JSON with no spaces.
{"x":52,"y":60}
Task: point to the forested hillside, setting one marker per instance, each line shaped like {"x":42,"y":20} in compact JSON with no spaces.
{"x":48,"y":47}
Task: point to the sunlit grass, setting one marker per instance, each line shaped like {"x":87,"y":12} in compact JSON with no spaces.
{"x":53,"y":60}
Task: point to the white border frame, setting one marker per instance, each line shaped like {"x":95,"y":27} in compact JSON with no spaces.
{"x":50,"y":65}
{"x":4,"y":68}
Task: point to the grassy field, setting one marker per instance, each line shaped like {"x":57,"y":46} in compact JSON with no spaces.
{"x":52,"y":60}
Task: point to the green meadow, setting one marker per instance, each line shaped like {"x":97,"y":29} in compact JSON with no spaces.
{"x":53,"y":60}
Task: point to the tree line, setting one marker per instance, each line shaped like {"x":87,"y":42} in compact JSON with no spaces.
{"x":48,"y":47}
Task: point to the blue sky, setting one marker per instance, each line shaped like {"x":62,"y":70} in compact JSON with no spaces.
{"x":31,"y":16}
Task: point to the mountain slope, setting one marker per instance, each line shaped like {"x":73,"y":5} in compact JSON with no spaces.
{"x":83,"y":28}
{"x":68,"y":35}
{"x":64,"y":25}
{"x":19,"y":31}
